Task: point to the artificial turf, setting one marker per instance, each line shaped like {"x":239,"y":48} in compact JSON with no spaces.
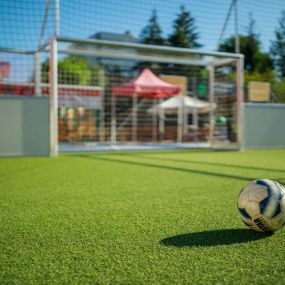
{"x":136,"y":218}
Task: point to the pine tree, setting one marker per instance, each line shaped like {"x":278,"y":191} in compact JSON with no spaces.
{"x":250,"y":46}
{"x":278,"y":47}
{"x":185,"y":33}
{"x":152,"y":33}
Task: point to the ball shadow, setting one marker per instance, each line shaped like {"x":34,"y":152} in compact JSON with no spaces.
{"x":213,"y":238}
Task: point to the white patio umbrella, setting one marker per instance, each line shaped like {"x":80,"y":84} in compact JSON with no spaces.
{"x":173,"y":104}
{"x":182,"y":105}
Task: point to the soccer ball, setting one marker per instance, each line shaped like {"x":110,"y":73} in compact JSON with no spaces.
{"x":261,"y":204}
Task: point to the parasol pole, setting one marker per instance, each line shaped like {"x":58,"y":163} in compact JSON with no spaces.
{"x":211,"y":101}
{"x":135,"y":117}
{"x":102,"y":113}
{"x":113,"y":120}
{"x":185,"y":115}
{"x":195,"y":110}
{"x":154,"y":122}
{"x":180,"y":120}
{"x":161,"y":121}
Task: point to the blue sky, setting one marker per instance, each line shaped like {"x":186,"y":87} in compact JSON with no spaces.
{"x":20,"y":21}
{"x":119,"y":16}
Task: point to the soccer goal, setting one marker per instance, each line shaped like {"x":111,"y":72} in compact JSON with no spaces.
{"x":146,"y":95}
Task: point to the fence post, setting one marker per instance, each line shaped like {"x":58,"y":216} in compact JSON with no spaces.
{"x":37,"y":74}
{"x":56,"y":17}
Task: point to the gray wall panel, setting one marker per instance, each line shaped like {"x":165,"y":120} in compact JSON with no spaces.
{"x":264,"y":125}
{"x":24,"y":126}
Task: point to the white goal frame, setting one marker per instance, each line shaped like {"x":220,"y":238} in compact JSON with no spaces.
{"x":215,"y":59}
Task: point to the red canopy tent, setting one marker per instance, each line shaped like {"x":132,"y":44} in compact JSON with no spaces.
{"x":146,"y":85}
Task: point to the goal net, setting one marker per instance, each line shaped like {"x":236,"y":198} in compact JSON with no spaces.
{"x":140,"y":94}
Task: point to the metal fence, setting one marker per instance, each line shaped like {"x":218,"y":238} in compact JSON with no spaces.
{"x":115,"y":93}
{"x":188,"y":96}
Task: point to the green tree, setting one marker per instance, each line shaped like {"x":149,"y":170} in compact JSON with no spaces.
{"x":185,"y":33}
{"x":278,"y":90}
{"x":98,"y":75}
{"x":250,"y":46}
{"x":152,"y":33}
{"x":71,"y":70}
{"x":278,"y":47}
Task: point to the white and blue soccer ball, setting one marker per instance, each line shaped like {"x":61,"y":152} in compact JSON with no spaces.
{"x":261,"y":205}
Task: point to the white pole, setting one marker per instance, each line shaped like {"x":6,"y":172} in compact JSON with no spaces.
{"x":102,"y":114}
{"x":37,"y":54}
{"x":237,"y":41}
{"x":113,"y":120}
{"x":240,"y":101}
{"x":56,"y":18}
{"x":225,"y":23}
{"x":195,"y":110}
{"x":135,"y":117}
{"x":239,"y":84}
{"x":185,"y":116}
{"x":53,"y":75}
{"x":180,"y":120}
{"x":102,"y":117}
{"x":43,"y":28}
{"x":161,"y":121}
{"x":154,"y":123}
{"x":37,"y":74}
{"x":211,"y":100}
{"x":195,"y":114}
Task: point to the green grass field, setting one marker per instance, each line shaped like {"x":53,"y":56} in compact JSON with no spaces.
{"x":136,"y":218}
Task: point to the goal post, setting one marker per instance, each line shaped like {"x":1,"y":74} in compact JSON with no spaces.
{"x":53,"y":81}
{"x":240,"y":101}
